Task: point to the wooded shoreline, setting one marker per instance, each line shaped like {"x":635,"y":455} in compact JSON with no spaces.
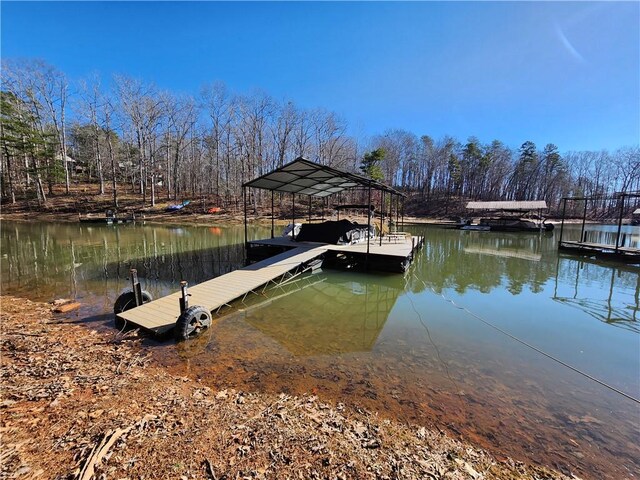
{"x":134,"y":137}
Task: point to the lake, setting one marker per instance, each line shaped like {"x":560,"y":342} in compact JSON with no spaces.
{"x":447,"y":345}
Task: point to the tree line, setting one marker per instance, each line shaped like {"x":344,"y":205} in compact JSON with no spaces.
{"x":164,"y":145}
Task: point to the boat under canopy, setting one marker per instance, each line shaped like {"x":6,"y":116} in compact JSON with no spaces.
{"x":510,"y":222}
{"x":303,"y":177}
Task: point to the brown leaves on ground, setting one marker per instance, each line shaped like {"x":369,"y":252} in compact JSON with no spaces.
{"x":80,"y":404}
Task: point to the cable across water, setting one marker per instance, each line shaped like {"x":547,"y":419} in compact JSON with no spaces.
{"x":532,"y":347}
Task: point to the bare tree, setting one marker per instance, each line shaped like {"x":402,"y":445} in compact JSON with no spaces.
{"x":142,"y":111}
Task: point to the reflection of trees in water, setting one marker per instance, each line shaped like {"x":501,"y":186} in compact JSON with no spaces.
{"x":483,"y":261}
{"x":44,"y":259}
{"x":58,"y":256}
{"x":606,"y":234}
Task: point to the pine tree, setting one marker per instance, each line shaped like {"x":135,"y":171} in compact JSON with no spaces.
{"x":370,"y":164}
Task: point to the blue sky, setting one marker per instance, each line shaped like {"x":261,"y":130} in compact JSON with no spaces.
{"x":565,"y":73}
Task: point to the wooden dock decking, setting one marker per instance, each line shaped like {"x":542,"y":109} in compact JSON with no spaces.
{"x":160,"y":315}
{"x":391,"y":245}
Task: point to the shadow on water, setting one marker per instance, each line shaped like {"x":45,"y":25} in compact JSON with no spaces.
{"x":348,"y":315}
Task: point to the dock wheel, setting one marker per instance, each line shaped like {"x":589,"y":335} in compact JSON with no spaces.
{"x":191,"y":322}
{"x":127,"y":301}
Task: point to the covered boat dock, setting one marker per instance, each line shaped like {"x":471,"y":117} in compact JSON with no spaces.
{"x":390,"y":252}
{"x":509,"y":216}
{"x":279,"y":258}
{"x":616,"y":251}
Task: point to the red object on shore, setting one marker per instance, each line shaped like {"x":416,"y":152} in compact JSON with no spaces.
{"x":214,"y":210}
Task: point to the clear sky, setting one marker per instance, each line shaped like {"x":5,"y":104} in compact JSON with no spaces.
{"x":565,"y":73}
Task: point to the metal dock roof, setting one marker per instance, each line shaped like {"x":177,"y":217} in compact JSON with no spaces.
{"x":509,"y":205}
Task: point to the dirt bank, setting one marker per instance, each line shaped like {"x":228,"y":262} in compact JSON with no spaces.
{"x":77,"y":403}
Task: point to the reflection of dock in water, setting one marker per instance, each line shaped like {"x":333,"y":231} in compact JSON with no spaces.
{"x":601,"y":309}
{"x":504,"y":252}
{"x":331,"y":316}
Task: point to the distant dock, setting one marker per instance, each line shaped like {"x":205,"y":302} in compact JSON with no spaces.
{"x":603,"y":251}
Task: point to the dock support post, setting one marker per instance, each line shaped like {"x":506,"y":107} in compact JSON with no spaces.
{"x":564,"y":209}
{"x":244,"y":202}
{"x":366,"y":258}
{"x":309,"y":208}
{"x":272,"y":221}
{"x":620,"y":222}
{"x":184,"y":299}
{"x":135,"y":286}
{"x":584,"y":219}
{"x":293,"y":216}
{"x":381,"y":215}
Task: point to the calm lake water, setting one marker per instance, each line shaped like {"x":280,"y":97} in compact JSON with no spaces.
{"x":419,"y":347}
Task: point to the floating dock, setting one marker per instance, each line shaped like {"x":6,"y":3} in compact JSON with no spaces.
{"x":393,"y":254}
{"x":603,"y":251}
{"x":281,"y":258}
{"x":159,"y":316}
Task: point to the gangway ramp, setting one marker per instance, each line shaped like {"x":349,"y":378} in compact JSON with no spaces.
{"x":159,"y":316}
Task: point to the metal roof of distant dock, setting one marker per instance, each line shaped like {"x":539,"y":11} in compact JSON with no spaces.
{"x":513,"y":206}
{"x":636,"y":212}
{"x":308,"y":178}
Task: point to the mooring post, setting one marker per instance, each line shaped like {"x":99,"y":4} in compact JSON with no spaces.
{"x":184,"y":299}
{"x":244,"y":204}
{"x":135,"y":286}
{"x":366,"y":262}
{"x":293,"y":216}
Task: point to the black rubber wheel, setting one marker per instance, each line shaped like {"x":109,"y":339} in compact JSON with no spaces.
{"x":127,"y":301}
{"x":191,"y":322}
